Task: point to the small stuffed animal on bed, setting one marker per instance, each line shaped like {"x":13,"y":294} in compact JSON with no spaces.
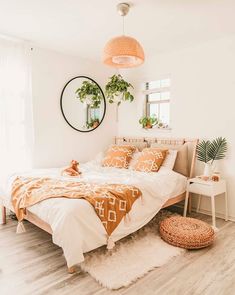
{"x":72,"y":170}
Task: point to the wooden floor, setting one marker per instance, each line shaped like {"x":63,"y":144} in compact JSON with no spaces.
{"x":31,"y":264}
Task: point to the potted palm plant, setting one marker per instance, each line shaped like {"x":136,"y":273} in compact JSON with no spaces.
{"x":210,"y":151}
{"x":90,"y":94}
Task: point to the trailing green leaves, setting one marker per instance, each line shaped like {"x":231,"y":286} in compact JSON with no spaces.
{"x":90,"y":94}
{"x":211,"y":150}
{"x":117,"y":90}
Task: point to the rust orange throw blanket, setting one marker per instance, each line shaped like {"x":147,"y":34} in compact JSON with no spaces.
{"x":111,"y":202}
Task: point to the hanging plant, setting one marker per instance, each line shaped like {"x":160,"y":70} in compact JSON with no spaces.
{"x":118,"y":90}
{"x":90,"y":94}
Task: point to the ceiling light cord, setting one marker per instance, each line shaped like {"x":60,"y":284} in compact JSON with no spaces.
{"x":123,"y":26}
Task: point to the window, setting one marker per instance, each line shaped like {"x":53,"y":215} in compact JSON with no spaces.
{"x":157,"y":95}
{"x":16,"y":124}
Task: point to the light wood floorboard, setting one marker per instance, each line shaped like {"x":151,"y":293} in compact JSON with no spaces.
{"x":31,"y":264}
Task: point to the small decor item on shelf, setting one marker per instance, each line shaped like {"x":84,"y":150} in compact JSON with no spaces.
{"x":216,"y":176}
{"x":203,"y":177}
{"x":89,"y":93}
{"x":210,"y":151}
{"x":118,"y":90}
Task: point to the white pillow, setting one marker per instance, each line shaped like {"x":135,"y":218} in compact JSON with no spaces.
{"x":134,"y":159}
{"x":98,"y":158}
{"x":169,"y":161}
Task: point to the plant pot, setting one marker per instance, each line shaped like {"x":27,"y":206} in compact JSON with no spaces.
{"x":207,"y":170}
{"x":95,"y":124}
{"x":148,"y":126}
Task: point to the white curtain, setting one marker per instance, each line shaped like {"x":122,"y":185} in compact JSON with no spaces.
{"x":16,"y":124}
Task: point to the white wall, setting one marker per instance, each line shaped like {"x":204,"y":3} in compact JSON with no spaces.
{"x":202,"y":102}
{"x":56,"y":143}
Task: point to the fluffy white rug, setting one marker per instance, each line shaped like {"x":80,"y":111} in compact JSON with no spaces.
{"x":132,"y":257}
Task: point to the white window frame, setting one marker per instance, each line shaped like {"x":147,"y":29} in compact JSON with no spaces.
{"x":147,"y":92}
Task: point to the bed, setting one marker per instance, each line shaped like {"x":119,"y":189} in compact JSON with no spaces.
{"x":74,"y":224}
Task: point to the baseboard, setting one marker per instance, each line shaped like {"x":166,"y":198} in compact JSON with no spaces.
{"x":218,"y":215}
{"x":207,"y":212}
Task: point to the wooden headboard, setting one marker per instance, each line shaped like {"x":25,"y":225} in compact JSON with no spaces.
{"x":191,"y":144}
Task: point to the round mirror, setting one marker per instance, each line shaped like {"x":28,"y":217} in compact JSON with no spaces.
{"x":83,"y":104}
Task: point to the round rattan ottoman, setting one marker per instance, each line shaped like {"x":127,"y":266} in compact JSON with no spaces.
{"x":186,"y":232}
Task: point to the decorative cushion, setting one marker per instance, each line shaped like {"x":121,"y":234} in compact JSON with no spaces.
{"x":118,"y":156}
{"x":150,"y":160}
{"x":170,"y":159}
{"x":186,"y":232}
{"x":181,"y":163}
{"x":168,"y":163}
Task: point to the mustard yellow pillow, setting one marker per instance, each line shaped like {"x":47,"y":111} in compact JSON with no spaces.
{"x":118,"y":156}
{"x":150,"y":160}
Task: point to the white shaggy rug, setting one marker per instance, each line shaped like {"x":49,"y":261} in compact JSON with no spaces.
{"x":132,"y":257}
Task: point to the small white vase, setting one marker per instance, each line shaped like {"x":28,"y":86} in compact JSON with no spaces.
{"x":215,"y":166}
{"x":207,"y":170}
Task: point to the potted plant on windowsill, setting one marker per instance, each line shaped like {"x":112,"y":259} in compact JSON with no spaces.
{"x":89,"y":94}
{"x":210,"y":151}
{"x":148,"y":122}
{"x":93,"y":123}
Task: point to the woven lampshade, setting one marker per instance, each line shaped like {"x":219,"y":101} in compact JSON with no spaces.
{"x":123,"y":52}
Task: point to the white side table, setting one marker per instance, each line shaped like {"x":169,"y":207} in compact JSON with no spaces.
{"x":209,"y":189}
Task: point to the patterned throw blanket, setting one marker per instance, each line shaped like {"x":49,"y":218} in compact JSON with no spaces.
{"x":111,"y":202}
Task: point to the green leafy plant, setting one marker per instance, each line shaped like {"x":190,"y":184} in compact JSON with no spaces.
{"x":90,"y":94}
{"x":202,"y":151}
{"x":148,"y":122}
{"x":93,"y":123}
{"x":210,"y":151}
{"x":117,"y":90}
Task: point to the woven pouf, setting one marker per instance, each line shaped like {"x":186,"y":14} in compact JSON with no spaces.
{"x":185,"y":232}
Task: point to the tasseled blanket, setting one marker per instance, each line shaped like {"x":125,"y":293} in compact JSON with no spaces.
{"x":111,"y":202}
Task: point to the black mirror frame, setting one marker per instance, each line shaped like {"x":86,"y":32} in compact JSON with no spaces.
{"x":61,"y":108}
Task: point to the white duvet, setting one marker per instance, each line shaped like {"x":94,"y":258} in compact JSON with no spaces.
{"x":77,"y":228}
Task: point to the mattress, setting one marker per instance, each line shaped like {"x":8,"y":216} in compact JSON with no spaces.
{"x":75,"y":225}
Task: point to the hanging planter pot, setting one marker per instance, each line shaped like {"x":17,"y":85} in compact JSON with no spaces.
{"x":117,"y":90}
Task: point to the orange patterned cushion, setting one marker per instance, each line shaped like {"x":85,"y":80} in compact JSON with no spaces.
{"x":150,"y":160}
{"x":118,"y":156}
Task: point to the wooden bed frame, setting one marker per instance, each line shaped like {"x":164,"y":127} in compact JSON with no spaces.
{"x":191,"y":143}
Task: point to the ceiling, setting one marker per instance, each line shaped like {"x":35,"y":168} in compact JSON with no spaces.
{"x":81,"y":27}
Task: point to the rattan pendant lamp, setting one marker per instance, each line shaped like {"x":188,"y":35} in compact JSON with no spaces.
{"x":123,"y":51}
